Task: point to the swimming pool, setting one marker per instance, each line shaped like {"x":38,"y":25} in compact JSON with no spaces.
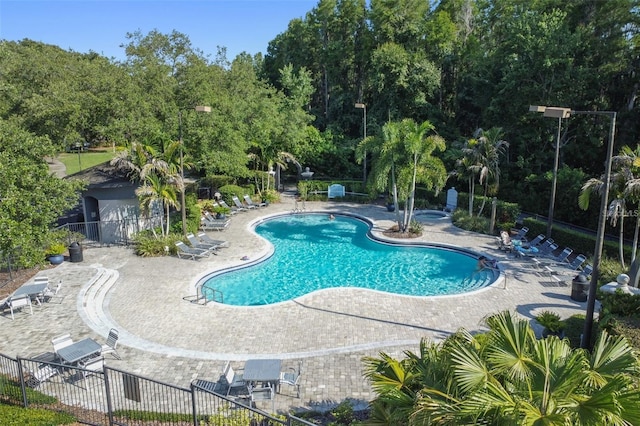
{"x":312,"y":252}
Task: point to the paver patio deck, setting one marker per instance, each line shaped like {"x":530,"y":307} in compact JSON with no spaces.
{"x":164,"y":335}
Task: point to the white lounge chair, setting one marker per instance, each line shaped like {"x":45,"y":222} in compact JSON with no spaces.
{"x":251,"y":203}
{"x":112,"y":343}
{"x":190,"y":252}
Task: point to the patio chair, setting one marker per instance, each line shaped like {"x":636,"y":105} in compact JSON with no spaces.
{"x":577,"y":262}
{"x":239,"y":204}
{"x":212,"y":224}
{"x":262,"y":393}
{"x":563,"y":256}
{"x":251,"y":204}
{"x":49,"y":294}
{"x":520,"y":235}
{"x":60,"y":342}
{"x":18,"y":303}
{"x":112,"y":343}
{"x":233,"y":209}
{"x":190,"y":252}
{"x":42,"y":374}
{"x":197,"y":243}
{"x":91,"y":366}
{"x":537,"y":241}
{"x":230,"y":379}
{"x":587,"y":270}
{"x":217,"y":243}
{"x":291,"y":377}
{"x":548,"y":247}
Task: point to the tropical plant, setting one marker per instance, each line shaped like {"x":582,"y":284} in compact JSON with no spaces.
{"x":156,"y":190}
{"x":404,"y":155}
{"x":507,"y":376}
{"x":482,"y":158}
{"x":550,"y":321}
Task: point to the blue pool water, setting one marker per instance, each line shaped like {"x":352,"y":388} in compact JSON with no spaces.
{"x":313,"y":253}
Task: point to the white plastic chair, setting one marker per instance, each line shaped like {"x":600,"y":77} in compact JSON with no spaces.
{"x":19,"y":303}
{"x":262,"y":393}
{"x":49,"y":294}
{"x":232,"y":379}
{"x":60,"y":342}
{"x":110,"y":346}
{"x":91,"y":366}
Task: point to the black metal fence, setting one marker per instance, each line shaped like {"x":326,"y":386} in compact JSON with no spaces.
{"x":117,"y":232}
{"x":109,"y":396}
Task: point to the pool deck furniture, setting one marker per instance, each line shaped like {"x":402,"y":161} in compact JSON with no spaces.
{"x":251,"y":203}
{"x":197,"y":243}
{"x":19,"y":302}
{"x":233,"y":209}
{"x":34,"y":291}
{"x":110,"y":346}
{"x":80,"y":350}
{"x":190,"y":252}
{"x":239,"y":204}
{"x":217,"y":243}
{"x":208,"y":222}
{"x":263,"y":371}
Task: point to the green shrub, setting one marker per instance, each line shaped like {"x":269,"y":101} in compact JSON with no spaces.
{"x":343,"y":413}
{"x":461,"y":219}
{"x":550,"y":321}
{"x":228,"y":191}
{"x":573,"y":328}
{"x":149,"y":246}
{"x":17,"y":416}
{"x":416,"y":227}
{"x":270,"y":196}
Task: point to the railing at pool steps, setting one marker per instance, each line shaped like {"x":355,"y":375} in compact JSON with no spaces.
{"x":206,"y":295}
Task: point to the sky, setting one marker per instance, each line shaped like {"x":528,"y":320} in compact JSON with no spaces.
{"x":101,"y":25}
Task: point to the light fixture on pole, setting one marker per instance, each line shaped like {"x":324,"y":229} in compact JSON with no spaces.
{"x":362,"y":106}
{"x":183,"y":208}
{"x":602,"y":219}
{"x":559,"y":113}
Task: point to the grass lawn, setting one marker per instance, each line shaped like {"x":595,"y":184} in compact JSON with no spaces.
{"x":74,"y":161}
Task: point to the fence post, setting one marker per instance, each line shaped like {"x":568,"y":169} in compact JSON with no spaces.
{"x":193,"y":404}
{"x":107,"y":389}
{"x":23,"y":385}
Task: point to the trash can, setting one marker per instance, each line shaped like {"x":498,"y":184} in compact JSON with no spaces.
{"x":580,"y":288}
{"x":75,"y":252}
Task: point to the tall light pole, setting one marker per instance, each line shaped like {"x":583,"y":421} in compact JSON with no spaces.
{"x":183,"y":208}
{"x":559,"y":113}
{"x":364,"y":130}
{"x":602,"y":219}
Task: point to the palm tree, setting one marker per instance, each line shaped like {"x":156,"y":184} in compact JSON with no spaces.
{"x":401,"y":158}
{"x":625,"y":184}
{"x":507,"y":376}
{"x":481,"y":156}
{"x":154,"y":190}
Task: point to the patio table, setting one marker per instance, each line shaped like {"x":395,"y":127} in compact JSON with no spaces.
{"x":32,"y":290}
{"x":80,"y":350}
{"x":262,"y":370}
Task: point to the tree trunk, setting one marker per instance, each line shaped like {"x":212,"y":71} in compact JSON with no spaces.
{"x":621,"y":240}
{"x":484,"y":200}
{"x":634,"y":248}
{"x":472,"y":185}
{"x":412,"y":194}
